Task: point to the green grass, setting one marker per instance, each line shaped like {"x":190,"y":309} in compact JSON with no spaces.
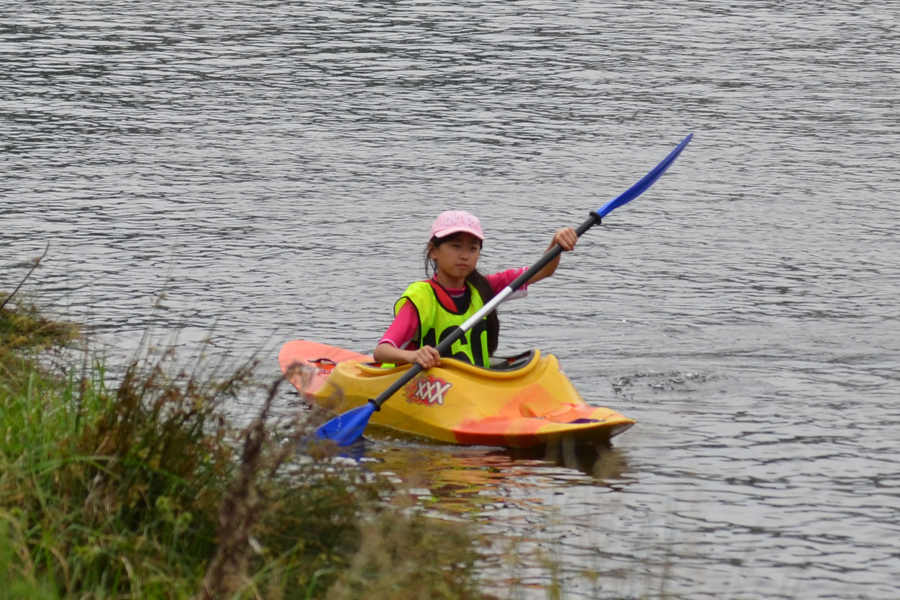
{"x":143,"y":489}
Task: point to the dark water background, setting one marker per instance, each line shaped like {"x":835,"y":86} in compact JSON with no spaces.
{"x":273,"y":168}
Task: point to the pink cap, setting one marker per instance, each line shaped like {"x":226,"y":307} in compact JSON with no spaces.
{"x":456,"y":221}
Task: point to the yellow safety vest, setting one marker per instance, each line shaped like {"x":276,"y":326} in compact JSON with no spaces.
{"x":438,"y":319}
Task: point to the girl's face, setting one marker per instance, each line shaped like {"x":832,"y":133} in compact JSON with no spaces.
{"x":458,"y":256}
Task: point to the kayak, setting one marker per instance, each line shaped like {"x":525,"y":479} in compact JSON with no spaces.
{"x":520,"y":402}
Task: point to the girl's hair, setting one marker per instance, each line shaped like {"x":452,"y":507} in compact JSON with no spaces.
{"x":479,"y":282}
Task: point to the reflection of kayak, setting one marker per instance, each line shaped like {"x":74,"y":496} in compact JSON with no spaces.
{"x":524,"y":401}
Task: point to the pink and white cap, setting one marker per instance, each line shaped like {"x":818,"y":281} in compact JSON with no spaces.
{"x":456,"y":221}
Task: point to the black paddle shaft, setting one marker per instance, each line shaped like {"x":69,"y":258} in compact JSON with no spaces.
{"x":444,"y":347}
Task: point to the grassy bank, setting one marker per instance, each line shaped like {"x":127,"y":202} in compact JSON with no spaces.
{"x":143,"y":489}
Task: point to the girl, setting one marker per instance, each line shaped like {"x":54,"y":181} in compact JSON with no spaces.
{"x":430,"y":310}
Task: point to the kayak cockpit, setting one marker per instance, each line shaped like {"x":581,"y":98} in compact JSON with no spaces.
{"x":512,"y":363}
{"x":498,"y":363}
{"x":508,"y":368}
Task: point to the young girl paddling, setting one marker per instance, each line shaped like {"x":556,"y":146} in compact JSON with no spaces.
{"x":430,"y":310}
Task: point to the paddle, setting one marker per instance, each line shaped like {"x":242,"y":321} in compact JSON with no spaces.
{"x":348,"y":427}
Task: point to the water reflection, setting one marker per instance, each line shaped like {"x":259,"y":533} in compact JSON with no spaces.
{"x":470,"y":479}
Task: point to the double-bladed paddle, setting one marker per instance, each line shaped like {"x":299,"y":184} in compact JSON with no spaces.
{"x":348,"y":427}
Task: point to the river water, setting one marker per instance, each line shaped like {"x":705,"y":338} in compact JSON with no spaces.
{"x":266,"y":171}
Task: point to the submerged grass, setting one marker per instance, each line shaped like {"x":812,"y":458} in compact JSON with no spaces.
{"x":142,"y":489}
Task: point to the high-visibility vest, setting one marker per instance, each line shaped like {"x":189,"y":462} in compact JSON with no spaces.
{"x":438,"y":318}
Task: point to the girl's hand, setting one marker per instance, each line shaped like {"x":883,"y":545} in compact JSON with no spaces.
{"x":427,"y":357}
{"x":565,"y":237}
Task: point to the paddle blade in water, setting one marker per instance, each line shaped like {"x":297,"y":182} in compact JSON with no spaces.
{"x":646,"y":181}
{"x":348,"y":427}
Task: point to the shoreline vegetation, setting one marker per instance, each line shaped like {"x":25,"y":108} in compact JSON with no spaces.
{"x":142,"y":488}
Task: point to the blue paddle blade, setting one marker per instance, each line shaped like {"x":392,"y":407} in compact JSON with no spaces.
{"x":348,"y":427}
{"x":646,"y":181}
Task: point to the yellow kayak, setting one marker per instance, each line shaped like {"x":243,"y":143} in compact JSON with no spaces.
{"x":520,"y":402}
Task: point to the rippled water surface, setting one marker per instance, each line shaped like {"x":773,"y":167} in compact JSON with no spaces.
{"x":273,"y":168}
